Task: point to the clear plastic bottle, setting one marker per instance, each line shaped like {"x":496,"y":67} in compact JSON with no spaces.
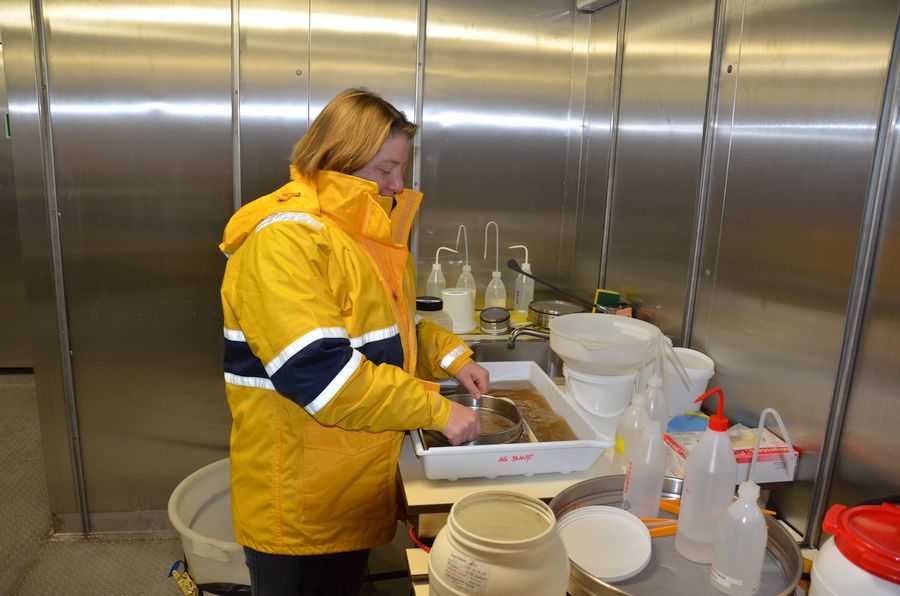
{"x":740,"y":545}
{"x":431,"y":308}
{"x":646,"y":469}
{"x":524,"y":284}
{"x":629,"y":429}
{"x":657,"y":404}
{"x":436,"y":281}
{"x":467,"y":280}
{"x":709,"y":478}
{"x":495,"y":294}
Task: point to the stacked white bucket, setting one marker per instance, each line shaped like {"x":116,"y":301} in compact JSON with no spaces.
{"x":607,"y":357}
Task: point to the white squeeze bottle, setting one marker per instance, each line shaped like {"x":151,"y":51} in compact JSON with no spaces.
{"x":466,"y":279}
{"x":646,"y":469}
{"x":436,"y":281}
{"x":740,"y":546}
{"x":657,"y":404}
{"x":495,"y":294}
{"x":629,"y":429}
{"x":709,"y":477}
{"x":524,"y":284}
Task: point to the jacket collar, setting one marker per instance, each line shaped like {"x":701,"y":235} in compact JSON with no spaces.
{"x":354,"y":203}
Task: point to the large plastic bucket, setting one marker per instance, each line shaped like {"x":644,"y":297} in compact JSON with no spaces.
{"x":601,"y":395}
{"x":200,"y":509}
{"x":700,"y":369}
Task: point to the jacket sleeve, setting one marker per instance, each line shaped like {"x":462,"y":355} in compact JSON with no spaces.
{"x":281,"y":297}
{"x":440,"y":352}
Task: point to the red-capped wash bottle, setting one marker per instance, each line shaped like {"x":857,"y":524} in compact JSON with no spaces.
{"x":710,"y":475}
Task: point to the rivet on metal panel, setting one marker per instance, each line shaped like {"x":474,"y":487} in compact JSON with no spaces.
{"x":730,"y":68}
{"x":299,"y":72}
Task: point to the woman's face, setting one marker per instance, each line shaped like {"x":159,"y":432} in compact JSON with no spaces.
{"x":386,"y":168}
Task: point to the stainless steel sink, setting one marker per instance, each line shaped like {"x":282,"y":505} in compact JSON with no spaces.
{"x":535,"y":351}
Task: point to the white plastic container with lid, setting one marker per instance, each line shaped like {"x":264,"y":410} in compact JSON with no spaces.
{"x":498,"y":543}
{"x":431,"y":308}
{"x":862,"y":556}
{"x":708,"y":487}
{"x":646,"y":470}
{"x":629,"y":429}
{"x":524,"y":284}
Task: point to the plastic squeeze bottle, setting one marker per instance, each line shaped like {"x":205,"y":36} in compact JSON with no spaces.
{"x":741,"y":537}
{"x":657,"y":404}
{"x":495,"y":294}
{"x":436,"y":281}
{"x":466,"y":279}
{"x":709,"y":477}
{"x":629,"y":429}
{"x":524,"y":284}
{"x":646,"y":469}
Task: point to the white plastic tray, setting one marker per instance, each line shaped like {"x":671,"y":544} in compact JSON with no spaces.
{"x":490,"y":461}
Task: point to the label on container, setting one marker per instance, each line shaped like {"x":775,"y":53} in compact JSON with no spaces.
{"x":467,"y":574}
{"x":724,"y":580}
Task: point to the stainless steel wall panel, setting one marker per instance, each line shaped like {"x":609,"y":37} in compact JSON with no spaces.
{"x":496,"y":121}
{"x":582,"y":235}
{"x":140,"y":98}
{"x":867,"y":466}
{"x":15,"y":347}
{"x":274,"y":90}
{"x":661,"y":113}
{"x":363,"y":43}
{"x":792,"y":159}
{"x":22,"y":76}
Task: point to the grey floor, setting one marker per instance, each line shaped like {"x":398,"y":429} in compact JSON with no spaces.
{"x":35,"y":562}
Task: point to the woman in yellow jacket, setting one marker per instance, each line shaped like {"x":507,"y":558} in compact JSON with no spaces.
{"x":323,"y":354}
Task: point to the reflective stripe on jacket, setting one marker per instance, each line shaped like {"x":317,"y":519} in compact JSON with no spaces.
{"x":321,"y":348}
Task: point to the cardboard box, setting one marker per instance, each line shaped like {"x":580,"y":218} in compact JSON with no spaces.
{"x":775,"y":462}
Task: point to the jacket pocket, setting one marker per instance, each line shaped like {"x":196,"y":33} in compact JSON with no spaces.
{"x":348,"y":479}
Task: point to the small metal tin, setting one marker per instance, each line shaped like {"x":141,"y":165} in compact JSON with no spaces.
{"x":494,"y":320}
{"x":540,"y":312}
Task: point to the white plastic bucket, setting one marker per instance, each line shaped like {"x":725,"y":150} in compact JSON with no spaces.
{"x":200,"y":509}
{"x":600,"y":395}
{"x":700,"y":369}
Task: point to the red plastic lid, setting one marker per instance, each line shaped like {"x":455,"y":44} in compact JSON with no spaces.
{"x":717,"y":422}
{"x":869,"y":536}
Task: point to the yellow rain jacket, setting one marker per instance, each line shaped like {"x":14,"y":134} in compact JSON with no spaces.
{"x":321,"y":349}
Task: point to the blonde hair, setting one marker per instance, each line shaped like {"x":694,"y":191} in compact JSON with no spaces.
{"x":348,"y":133}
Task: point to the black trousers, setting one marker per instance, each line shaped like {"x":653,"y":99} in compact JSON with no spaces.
{"x":338,"y":574}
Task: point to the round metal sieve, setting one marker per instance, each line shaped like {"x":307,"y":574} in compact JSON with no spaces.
{"x":500,"y":419}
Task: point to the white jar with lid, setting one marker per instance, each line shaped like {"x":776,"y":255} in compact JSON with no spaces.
{"x":498,"y":543}
{"x":862,"y":556}
{"x":431,"y":308}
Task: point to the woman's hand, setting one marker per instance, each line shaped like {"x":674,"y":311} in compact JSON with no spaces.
{"x":474,"y":378}
{"x":463,"y":425}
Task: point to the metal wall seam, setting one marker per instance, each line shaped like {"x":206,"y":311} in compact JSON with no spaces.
{"x":613,"y":140}
{"x":859,"y":291}
{"x":421,"y":25}
{"x":47,"y":156}
{"x":703,"y":184}
{"x":236,"y":105}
